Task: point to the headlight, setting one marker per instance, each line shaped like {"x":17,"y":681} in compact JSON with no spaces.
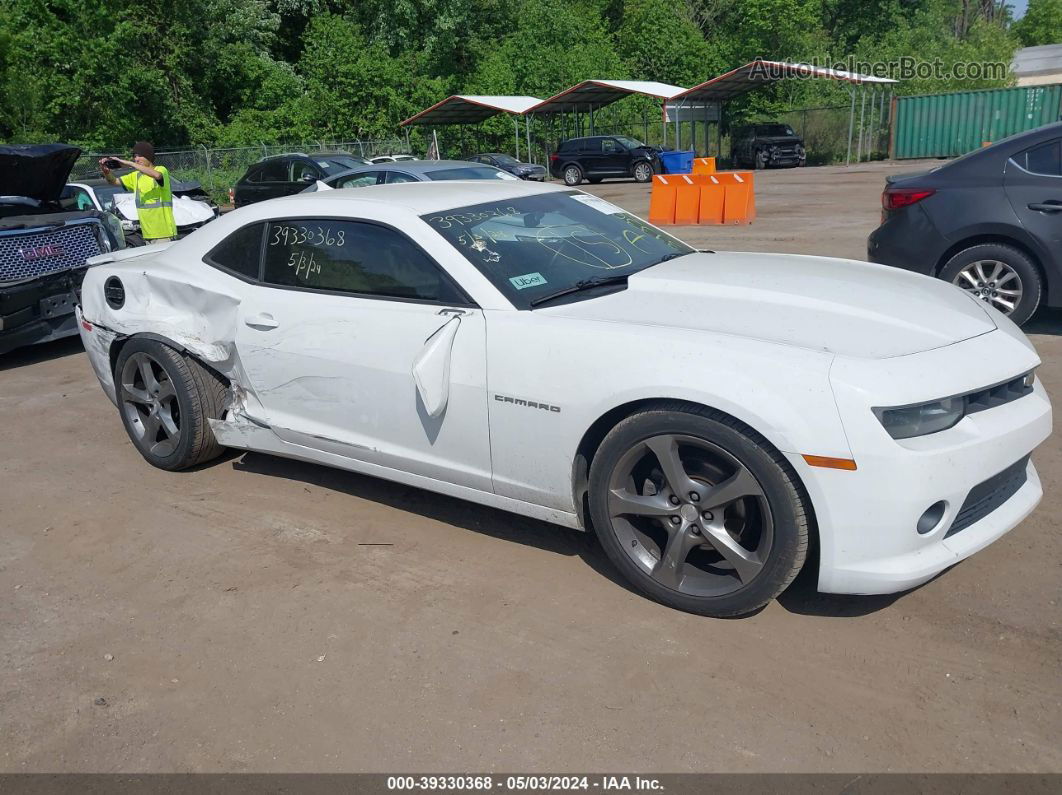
{"x":115,"y":226}
{"x":905,"y":422}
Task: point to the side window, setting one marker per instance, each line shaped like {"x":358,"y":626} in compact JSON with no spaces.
{"x":359,"y":180}
{"x":352,"y":257}
{"x":240,"y":252}
{"x":399,"y":176}
{"x":301,"y":171}
{"x":590,"y":145}
{"x":270,"y":171}
{"x":1044,"y":159}
{"x":609,"y":146}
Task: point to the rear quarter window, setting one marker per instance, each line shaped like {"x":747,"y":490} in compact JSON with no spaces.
{"x":240,"y":253}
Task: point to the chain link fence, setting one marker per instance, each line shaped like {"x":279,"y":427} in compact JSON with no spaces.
{"x":217,"y":170}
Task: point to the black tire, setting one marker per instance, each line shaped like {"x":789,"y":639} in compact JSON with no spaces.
{"x":643,"y":171}
{"x":198,"y":394}
{"x":1024,"y":271}
{"x":777,"y":486}
{"x":573,"y":175}
{"x":760,"y":159}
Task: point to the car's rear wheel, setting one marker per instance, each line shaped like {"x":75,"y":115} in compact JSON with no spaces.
{"x":1000,"y":275}
{"x":573,"y":175}
{"x":643,"y":172}
{"x":698,"y":511}
{"x":165,"y":399}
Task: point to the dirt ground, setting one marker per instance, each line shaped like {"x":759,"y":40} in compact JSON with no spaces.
{"x":267,"y":615}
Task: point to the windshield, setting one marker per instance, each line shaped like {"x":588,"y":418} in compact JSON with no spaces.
{"x":630,"y":143}
{"x":105,"y":195}
{"x":774,"y":129}
{"x":506,"y":160}
{"x":334,"y":165}
{"x":535,"y":246}
{"x":469,"y":172}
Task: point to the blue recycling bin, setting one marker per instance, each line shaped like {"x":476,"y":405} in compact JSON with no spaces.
{"x":677,"y":162}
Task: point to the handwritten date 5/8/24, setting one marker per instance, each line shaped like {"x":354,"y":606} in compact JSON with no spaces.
{"x":284,"y":235}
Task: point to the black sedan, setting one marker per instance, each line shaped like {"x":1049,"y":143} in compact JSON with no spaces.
{"x":511,"y":164}
{"x":989,"y":222}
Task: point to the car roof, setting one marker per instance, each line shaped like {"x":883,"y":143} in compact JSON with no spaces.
{"x":422,"y":197}
{"x":419,"y":167}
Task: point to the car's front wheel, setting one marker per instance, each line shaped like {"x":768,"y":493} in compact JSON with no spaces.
{"x":761,"y":158}
{"x":643,"y":172}
{"x":698,"y":511}
{"x":1000,"y":275}
{"x":166,"y":399}
{"x":573,"y":175}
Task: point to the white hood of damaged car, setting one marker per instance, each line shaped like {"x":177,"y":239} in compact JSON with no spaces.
{"x":843,"y":307}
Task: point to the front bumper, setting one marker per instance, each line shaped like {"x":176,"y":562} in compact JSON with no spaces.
{"x":38,"y":311}
{"x":867,"y":519}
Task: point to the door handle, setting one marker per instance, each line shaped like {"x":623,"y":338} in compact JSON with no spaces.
{"x":452,"y":311}
{"x":1047,"y":207}
{"x":263,"y":321}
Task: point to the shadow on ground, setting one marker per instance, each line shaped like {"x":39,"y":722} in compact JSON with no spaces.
{"x":1046,"y":321}
{"x":800,"y":598}
{"x":35,"y":354}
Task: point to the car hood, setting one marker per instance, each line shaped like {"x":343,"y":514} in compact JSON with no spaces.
{"x":38,"y":171}
{"x":843,"y":307}
{"x":778,"y":139}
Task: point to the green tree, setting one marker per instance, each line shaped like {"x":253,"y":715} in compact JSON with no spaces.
{"x":1042,"y":23}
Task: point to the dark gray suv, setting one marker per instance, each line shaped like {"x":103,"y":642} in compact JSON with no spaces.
{"x":601,"y":156}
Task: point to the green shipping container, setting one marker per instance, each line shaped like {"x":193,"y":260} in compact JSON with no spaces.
{"x":948,"y":125}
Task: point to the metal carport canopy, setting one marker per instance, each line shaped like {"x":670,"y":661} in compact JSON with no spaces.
{"x":756,"y":73}
{"x":598,"y":93}
{"x":471,"y":109}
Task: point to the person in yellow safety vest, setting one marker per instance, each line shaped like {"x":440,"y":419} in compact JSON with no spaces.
{"x":151,"y":184}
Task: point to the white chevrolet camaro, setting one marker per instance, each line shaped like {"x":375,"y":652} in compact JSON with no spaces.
{"x":715,"y":418}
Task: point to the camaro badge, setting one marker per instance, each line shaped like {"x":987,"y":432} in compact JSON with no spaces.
{"x":531,"y":404}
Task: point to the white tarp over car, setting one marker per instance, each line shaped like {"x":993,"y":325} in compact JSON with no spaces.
{"x":186,"y":211}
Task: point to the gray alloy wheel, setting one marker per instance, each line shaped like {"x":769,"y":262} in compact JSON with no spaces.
{"x":697,"y":510}
{"x":992,"y":281}
{"x":643,"y":172}
{"x":717,"y":525}
{"x":573,"y":175}
{"x":760,"y":159}
{"x":1001,"y":275}
{"x":149,"y":402}
{"x":166,"y":399}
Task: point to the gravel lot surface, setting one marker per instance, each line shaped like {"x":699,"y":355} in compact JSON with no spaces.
{"x":267,"y":615}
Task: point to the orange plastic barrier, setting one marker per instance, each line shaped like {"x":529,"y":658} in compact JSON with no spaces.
{"x":662,"y":199}
{"x":704,"y":165}
{"x":739,"y":202}
{"x":688,"y":197}
{"x":725,"y":197}
{"x":711,"y":207}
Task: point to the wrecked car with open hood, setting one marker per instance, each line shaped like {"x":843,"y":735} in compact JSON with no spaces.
{"x":710,"y":416}
{"x":44,"y":247}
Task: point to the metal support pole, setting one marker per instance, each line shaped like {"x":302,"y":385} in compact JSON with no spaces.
{"x":851,"y":124}
{"x":516,"y":134}
{"x":527,"y":131}
{"x":592,"y":129}
{"x":862,"y":110}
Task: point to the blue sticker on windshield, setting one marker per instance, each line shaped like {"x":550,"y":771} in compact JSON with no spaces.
{"x":527,"y":280}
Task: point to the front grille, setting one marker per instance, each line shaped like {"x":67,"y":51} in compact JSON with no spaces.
{"x":986,"y":497}
{"x":27,"y":255}
{"x":992,"y":396}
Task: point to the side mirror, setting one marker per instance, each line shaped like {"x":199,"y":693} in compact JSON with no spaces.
{"x":308,"y":177}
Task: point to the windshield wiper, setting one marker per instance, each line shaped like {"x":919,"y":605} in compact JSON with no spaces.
{"x":579,"y":286}
{"x":674,"y":255}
